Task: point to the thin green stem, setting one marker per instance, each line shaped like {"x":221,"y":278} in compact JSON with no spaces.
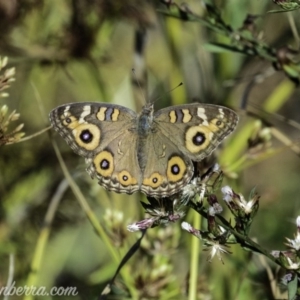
{"x":194,"y":263}
{"x":294,"y":29}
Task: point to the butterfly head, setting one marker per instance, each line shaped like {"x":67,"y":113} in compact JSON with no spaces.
{"x":148,"y":110}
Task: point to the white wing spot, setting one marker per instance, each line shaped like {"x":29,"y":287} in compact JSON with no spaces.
{"x":221,"y":111}
{"x":201,"y":113}
{"x":85,"y":112}
{"x":67,"y":108}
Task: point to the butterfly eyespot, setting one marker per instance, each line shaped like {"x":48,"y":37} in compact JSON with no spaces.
{"x":86,"y":136}
{"x":176,"y":168}
{"x":198,"y":138}
{"x":126,"y":179}
{"x":69,"y":121}
{"x":154,"y":181}
{"x":103,"y":163}
{"x":216,"y":125}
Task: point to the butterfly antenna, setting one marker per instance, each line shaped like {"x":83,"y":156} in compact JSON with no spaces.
{"x":170,"y":91}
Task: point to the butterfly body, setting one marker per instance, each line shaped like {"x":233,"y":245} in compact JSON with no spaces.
{"x":152,"y":152}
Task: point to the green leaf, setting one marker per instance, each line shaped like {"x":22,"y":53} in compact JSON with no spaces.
{"x":292,"y":288}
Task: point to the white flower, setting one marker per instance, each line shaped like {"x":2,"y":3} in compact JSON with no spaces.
{"x":227,"y":193}
{"x":217,"y":249}
{"x":247,"y":206}
{"x":141,"y":225}
{"x":189,"y":228}
{"x":293,"y":265}
{"x":186,"y":226}
{"x":294,"y":243}
{"x":211,"y":211}
{"x":133,"y":227}
{"x":239,"y":201}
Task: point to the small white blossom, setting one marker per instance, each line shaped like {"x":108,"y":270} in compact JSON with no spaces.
{"x":133,"y":227}
{"x":247,"y":206}
{"x":230,"y":196}
{"x":186,"y":226}
{"x":211,"y":211}
{"x":141,"y":225}
{"x":275,"y":253}
{"x":293,"y":265}
{"x":294,"y":243}
{"x":227,"y":193}
{"x":217,"y":249}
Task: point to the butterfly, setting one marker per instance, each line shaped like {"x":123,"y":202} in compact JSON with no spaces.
{"x":151,"y":152}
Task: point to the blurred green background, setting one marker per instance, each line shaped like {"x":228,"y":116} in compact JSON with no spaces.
{"x":71,"y":51}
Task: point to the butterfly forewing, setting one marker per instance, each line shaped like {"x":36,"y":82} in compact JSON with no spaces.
{"x":196,"y":129}
{"x":88,"y":127}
